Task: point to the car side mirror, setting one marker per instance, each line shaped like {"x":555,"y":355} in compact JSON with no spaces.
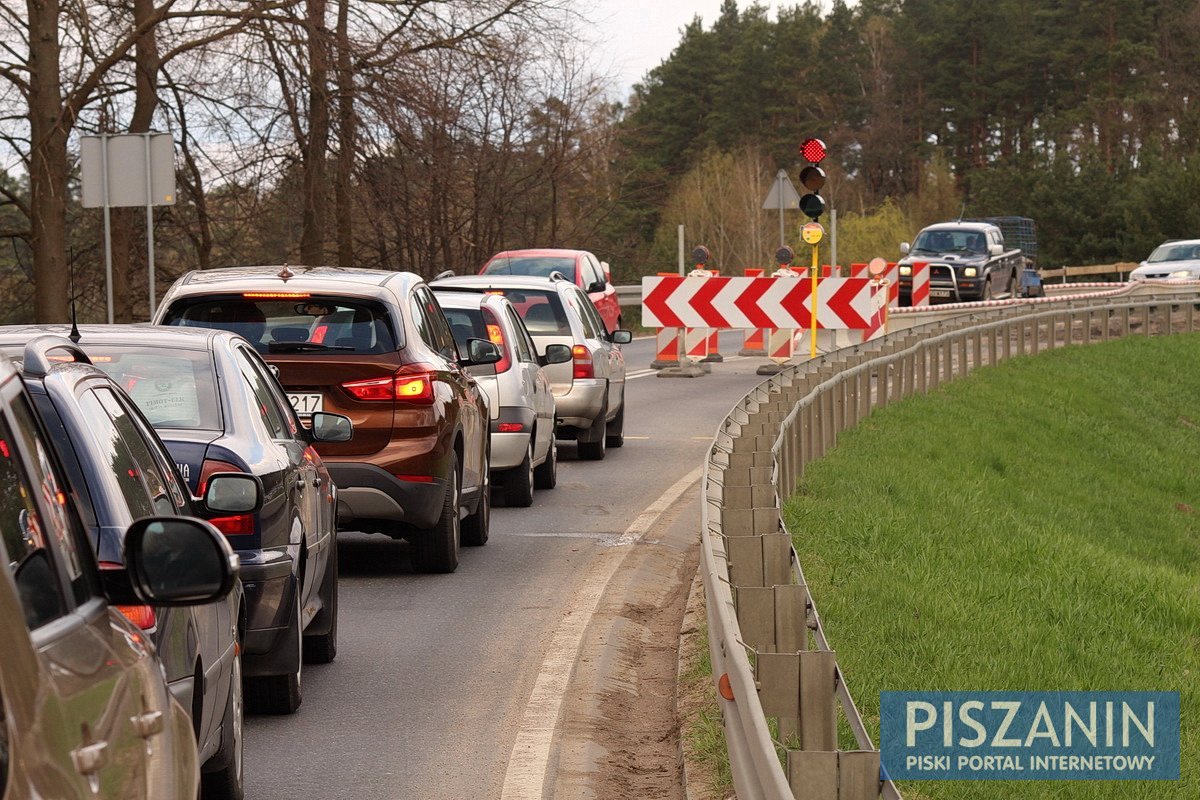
{"x":904,"y":248}
{"x":328,"y":427}
{"x":178,"y":561}
{"x":481,"y":351}
{"x":233,"y":493}
{"x":555,"y":354}
{"x":621,"y":337}
{"x":597,"y":286}
{"x":995,"y":249}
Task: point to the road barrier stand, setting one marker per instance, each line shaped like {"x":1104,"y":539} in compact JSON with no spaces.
{"x":920,"y":284}
{"x":666,"y":348}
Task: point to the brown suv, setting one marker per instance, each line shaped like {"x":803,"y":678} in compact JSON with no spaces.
{"x":374,"y":346}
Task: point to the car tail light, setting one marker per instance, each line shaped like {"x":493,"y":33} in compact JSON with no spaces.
{"x":235,"y":525}
{"x":496,"y":337}
{"x":583,"y":362}
{"x":509,"y":427}
{"x":141,"y":616}
{"x":412,"y":383}
{"x":276,"y":295}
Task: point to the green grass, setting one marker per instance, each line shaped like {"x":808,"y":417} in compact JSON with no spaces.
{"x":701,"y":726}
{"x":1035,"y":526}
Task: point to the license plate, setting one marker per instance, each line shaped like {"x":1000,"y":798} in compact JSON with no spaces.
{"x":939,"y":292}
{"x":306,"y":403}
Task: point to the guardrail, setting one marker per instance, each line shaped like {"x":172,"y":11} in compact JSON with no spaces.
{"x":770,"y":653}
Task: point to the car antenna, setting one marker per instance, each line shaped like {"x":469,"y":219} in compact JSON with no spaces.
{"x":962,"y":212}
{"x":74,"y":336}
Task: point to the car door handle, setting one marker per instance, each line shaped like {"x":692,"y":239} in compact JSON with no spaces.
{"x":91,"y":758}
{"x":148,"y":724}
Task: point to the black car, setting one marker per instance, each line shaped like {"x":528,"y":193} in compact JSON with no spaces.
{"x":118,"y":472}
{"x":218,"y":408}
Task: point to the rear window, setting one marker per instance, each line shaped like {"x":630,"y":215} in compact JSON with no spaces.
{"x":542,"y":310}
{"x":294,"y":325}
{"x":537,"y":266}
{"x":172,"y":388}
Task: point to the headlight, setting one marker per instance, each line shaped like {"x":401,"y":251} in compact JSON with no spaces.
{"x":905,"y":269}
{"x":1181,"y":273}
{"x":970,"y":272}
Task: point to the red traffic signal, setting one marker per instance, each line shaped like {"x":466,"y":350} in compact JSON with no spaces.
{"x":813,"y":150}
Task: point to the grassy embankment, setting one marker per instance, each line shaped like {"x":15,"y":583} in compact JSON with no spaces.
{"x":1035,"y":526}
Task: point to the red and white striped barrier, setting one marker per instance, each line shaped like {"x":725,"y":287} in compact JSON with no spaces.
{"x":755,"y":342}
{"x":666,"y":348}
{"x":891,"y":275}
{"x":721,"y":302}
{"x":920,"y":284}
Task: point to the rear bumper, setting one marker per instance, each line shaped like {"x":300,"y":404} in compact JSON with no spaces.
{"x":580,"y":406}
{"x":270,"y":587}
{"x":371,"y":498}
{"x":509,"y":448}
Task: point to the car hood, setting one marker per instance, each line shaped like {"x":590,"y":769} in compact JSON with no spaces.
{"x":1164,"y":269}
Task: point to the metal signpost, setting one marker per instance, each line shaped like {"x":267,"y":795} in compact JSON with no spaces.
{"x":131,"y":169}
{"x":782,"y":195}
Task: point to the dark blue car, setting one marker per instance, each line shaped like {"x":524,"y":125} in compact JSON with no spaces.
{"x":218,"y":408}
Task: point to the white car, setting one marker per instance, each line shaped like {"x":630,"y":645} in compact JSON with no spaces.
{"x":524,"y":454}
{"x":1176,"y":259}
{"x":589,"y":388}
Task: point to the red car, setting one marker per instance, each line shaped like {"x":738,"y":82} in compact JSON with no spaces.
{"x":579,"y":266}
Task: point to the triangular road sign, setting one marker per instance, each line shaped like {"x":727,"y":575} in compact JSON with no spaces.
{"x":783,"y":194}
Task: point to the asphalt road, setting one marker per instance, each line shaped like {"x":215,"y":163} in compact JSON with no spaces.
{"x":434,"y":672}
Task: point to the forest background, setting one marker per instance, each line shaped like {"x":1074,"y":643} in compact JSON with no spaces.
{"x":403,"y":134}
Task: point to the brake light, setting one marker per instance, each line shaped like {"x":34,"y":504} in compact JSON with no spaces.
{"x":210,"y":467}
{"x":276,"y":295}
{"x":235,"y":525}
{"x":509,"y":427}
{"x":412,"y":383}
{"x":583,"y":362}
{"x":141,"y":616}
{"x":496,"y":336}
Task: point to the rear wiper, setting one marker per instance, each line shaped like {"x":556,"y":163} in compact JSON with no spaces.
{"x":302,"y":347}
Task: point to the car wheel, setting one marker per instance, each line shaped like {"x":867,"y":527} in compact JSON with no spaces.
{"x":616,"y":428}
{"x":320,"y":647}
{"x":545,"y":475}
{"x":281,"y":694}
{"x":593,"y":450}
{"x":476,"y":527}
{"x":518,"y":483}
{"x":436,"y":550}
{"x":222,"y":778}
{"x":987,"y":290}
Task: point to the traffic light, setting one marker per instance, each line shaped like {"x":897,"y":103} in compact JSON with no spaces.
{"x":812,"y":177}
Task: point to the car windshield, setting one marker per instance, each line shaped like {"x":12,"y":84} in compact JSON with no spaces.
{"x":951,"y":241}
{"x":298,"y":324}
{"x":1174,"y":252}
{"x":173,"y":388}
{"x":536,"y":266}
{"x":542,"y":310}
{"x":465,"y":323}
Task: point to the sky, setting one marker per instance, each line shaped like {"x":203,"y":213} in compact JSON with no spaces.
{"x":634,"y":36}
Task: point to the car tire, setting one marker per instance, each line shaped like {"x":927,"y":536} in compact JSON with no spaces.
{"x":476,"y":527}
{"x":436,"y":550}
{"x":616,"y":429}
{"x":545,"y":475}
{"x":518,"y":483}
{"x":321,"y":647}
{"x":223,"y":776}
{"x":987,"y":291}
{"x":281,"y":694}
{"x":593,"y":450}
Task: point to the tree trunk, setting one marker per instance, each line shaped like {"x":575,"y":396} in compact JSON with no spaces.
{"x":312,"y":236}
{"x":47,"y":165}
{"x":125,"y":220}
{"x":346,"y":140}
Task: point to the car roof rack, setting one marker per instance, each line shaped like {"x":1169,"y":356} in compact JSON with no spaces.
{"x":36,"y":359}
